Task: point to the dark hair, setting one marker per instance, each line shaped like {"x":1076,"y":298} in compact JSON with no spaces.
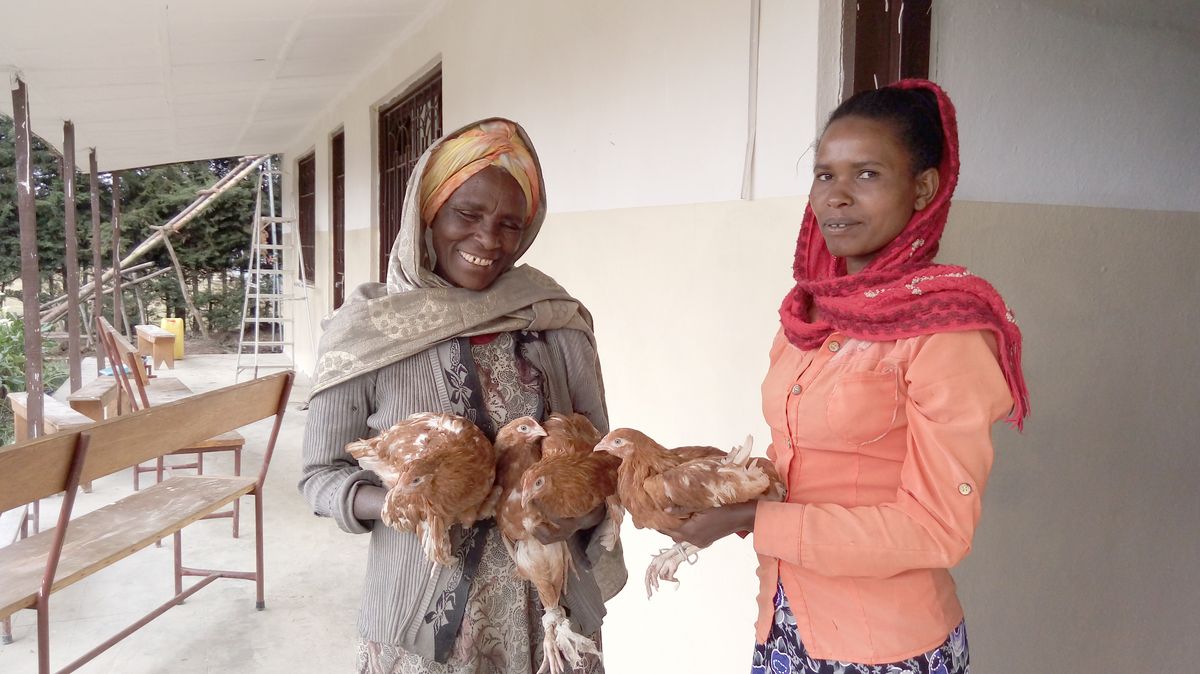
{"x":913,"y":113}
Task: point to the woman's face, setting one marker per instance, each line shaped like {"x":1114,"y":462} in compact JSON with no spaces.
{"x":477,"y":232}
{"x":864,"y":190}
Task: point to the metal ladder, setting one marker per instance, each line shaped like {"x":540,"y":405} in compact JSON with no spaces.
{"x":274,"y":258}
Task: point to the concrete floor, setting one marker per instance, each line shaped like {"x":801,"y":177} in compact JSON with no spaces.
{"x":313,"y":576}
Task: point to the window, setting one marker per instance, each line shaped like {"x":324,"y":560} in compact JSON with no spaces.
{"x":306,"y":170}
{"x":338,"y":167}
{"x":406,"y":128}
{"x":887,"y":41}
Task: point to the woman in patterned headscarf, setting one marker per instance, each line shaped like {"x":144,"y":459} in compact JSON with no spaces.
{"x":457,"y":328}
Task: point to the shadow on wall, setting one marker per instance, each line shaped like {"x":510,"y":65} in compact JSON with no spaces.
{"x":1086,"y":553}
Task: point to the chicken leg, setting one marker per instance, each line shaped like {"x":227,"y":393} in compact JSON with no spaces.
{"x":666,"y":562}
{"x":563,"y":649}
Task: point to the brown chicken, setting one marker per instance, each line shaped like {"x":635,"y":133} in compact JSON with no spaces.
{"x":569,"y":434}
{"x":440,"y":471}
{"x":521,"y":445}
{"x":571,"y":480}
{"x":653,"y":479}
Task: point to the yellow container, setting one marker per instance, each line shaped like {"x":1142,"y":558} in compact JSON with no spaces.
{"x":174,"y":325}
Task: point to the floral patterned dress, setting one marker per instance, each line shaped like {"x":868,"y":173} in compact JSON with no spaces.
{"x":501,"y":630}
{"x":784,"y":652}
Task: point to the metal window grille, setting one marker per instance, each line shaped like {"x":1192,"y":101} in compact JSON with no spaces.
{"x":406,"y":129}
{"x":306,"y":169}
{"x":338,"y":166}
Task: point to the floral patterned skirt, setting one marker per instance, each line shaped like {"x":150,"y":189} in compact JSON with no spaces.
{"x":501,"y":631}
{"x":784,"y":652}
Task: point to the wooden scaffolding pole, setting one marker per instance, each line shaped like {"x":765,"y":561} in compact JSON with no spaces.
{"x":97,"y":269}
{"x":30,"y":281}
{"x":187,"y":297}
{"x":207,"y":196}
{"x":118,"y":307}
{"x":72,"y":257}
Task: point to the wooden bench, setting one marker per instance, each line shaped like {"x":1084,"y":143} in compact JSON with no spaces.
{"x":144,"y":392}
{"x":56,"y":417}
{"x":36,"y":567}
{"x":157,"y":343}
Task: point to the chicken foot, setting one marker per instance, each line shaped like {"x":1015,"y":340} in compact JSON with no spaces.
{"x":666,"y":563}
{"x":609,"y":530}
{"x":563,"y":649}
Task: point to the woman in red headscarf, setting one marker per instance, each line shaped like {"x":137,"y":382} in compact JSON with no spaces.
{"x":885,"y":379}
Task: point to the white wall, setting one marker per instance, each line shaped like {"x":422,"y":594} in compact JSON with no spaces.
{"x":685,"y":300}
{"x":629,"y":104}
{"x":1071,"y":104}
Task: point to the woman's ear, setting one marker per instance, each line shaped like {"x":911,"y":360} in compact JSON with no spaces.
{"x":928,"y":182}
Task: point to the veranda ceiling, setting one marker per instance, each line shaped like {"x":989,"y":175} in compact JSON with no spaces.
{"x":151,"y":82}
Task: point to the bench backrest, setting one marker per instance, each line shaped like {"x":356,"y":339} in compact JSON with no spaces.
{"x":41,"y":467}
{"x":124,"y":356}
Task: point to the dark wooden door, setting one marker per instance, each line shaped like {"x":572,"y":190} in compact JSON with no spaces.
{"x":338,"y":165}
{"x":406,"y":129}
{"x":890,"y":41}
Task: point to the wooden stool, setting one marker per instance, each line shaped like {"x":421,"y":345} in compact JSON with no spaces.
{"x":97,"y":399}
{"x":157,"y":343}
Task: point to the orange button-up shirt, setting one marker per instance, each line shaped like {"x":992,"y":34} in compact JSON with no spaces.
{"x":886,"y":448}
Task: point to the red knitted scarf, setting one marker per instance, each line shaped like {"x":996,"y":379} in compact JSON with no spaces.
{"x":901,"y":292}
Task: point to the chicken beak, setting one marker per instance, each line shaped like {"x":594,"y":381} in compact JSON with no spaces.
{"x":525,"y":498}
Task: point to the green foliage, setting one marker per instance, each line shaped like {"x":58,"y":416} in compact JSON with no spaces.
{"x":222,"y":309}
{"x":49,"y":200}
{"x":12,"y":368}
{"x":214,"y":242}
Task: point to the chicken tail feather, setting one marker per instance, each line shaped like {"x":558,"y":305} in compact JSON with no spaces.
{"x":741,"y":454}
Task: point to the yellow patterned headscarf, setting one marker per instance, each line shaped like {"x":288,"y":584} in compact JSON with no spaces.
{"x":492,"y":143}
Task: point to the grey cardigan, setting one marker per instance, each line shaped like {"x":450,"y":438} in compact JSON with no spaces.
{"x":400,"y":588}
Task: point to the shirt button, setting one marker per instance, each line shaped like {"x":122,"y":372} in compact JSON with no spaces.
{"x":834,"y":346}
{"x":796,"y":390}
{"x":965,"y":489}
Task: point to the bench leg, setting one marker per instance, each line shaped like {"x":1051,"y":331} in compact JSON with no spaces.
{"x":36,"y":518}
{"x":258,"y":548}
{"x":6,"y":631}
{"x":43,"y":630}
{"x":237,"y":504}
{"x":178,"y":542}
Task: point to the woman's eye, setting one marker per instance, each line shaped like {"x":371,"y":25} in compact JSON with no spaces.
{"x":867,"y":174}
{"x":823,"y":177}
{"x":467,"y":215}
